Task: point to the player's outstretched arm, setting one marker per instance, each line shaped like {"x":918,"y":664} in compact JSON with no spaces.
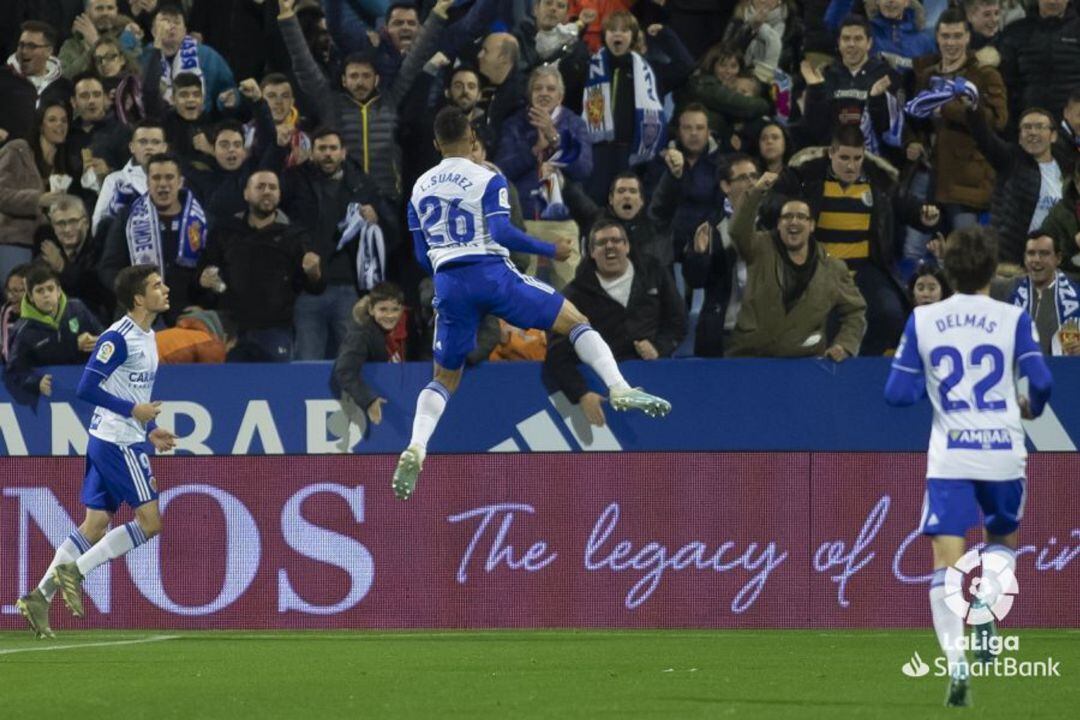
{"x":1039,"y":383}
{"x":1032,"y":365}
{"x":513,"y":239}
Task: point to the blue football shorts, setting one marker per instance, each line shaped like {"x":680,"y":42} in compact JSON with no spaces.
{"x":465,"y":293}
{"x":950,"y":507}
{"x":117,"y":474}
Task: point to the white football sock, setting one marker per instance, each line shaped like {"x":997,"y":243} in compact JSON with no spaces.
{"x":119,"y":541}
{"x":948,"y":625}
{"x":594,"y":352}
{"x":429,"y":408}
{"x":69,"y":551}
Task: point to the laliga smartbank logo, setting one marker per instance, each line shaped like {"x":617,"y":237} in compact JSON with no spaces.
{"x":988,"y":597}
{"x":992,"y":593}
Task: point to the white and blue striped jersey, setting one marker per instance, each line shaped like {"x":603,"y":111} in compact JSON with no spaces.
{"x":127,"y":360}
{"x":969,"y":348}
{"x":450,"y":205}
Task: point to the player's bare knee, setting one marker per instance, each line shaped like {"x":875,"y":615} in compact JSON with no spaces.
{"x":150,"y":527}
{"x":449,"y":379}
{"x":1010,"y":541}
{"x":569,"y":318}
{"x":948,"y":549}
{"x":95,"y":525}
{"x":149,"y":520}
{"x":93,"y":533}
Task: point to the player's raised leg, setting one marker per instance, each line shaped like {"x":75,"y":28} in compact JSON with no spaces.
{"x":116,"y":473}
{"x":595,"y":352}
{"x":430,"y":405}
{"x":34,"y":606}
{"x":117,"y":542}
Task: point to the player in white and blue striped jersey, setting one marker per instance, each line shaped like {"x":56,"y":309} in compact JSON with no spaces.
{"x":118,"y":380}
{"x":459,"y":216}
{"x":966,"y":353}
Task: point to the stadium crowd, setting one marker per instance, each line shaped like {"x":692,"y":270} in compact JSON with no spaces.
{"x":764,"y":178}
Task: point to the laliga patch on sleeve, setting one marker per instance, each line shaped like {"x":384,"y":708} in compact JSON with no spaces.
{"x":105,"y":351}
{"x":504,"y":198}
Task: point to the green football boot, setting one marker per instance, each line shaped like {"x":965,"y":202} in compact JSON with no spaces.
{"x":638,"y":399}
{"x":407,"y":472}
{"x":35,"y":608}
{"x":69,"y":580}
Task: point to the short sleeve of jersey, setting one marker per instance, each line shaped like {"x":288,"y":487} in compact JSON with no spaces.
{"x":907,"y":357}
{"x":496,"y":200}
{"x":109,"y":353}
{"x":1027,"y":338}
{"x":414,"y":219}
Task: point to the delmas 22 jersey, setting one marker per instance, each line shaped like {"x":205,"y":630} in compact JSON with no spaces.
{"x":968,"y":348}
{"x":450,"y":204}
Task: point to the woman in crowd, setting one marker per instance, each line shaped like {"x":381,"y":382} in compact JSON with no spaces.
{"x":928,"y":285}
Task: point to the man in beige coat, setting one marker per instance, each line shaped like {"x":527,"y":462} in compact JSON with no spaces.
{"x":792,"y":287}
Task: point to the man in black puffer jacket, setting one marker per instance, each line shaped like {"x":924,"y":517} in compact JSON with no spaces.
{"x":1029,"y":177}
{"x":1040,"y":57}
{"x":261,"y":263}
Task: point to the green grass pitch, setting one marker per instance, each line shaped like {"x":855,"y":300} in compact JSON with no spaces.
{"x":503,"y":674}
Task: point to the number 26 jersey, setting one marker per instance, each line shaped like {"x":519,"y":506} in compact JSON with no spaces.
{"x":450,"y":204}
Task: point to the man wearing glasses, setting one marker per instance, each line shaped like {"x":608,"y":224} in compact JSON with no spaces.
{"x":74,"y":257}
{"x":34,"y":60}
{"x":1029,"y":176}
{"x":792,"y":287}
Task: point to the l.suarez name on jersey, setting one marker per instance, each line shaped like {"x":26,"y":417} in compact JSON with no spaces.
{"x":453,"y":178}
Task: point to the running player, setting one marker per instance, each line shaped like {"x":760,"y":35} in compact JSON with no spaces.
{"x":964,"y":352}
{"x":118,"y":379}
{"x":459,"y":215}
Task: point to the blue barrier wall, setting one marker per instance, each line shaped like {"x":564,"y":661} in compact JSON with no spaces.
{"x":719,"y":405}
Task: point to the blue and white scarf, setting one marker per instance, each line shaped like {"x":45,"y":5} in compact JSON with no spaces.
{"x":1066,"y":297}
{"x":144,"y":232}
{"x":940,"y":92}
{"x":548,"y":195}
{"x":893,"y":135}
{"x":185,"y":61}
{"x":130,"y":184}
{"x":370,"y":250}
{"x":598,"y":102}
